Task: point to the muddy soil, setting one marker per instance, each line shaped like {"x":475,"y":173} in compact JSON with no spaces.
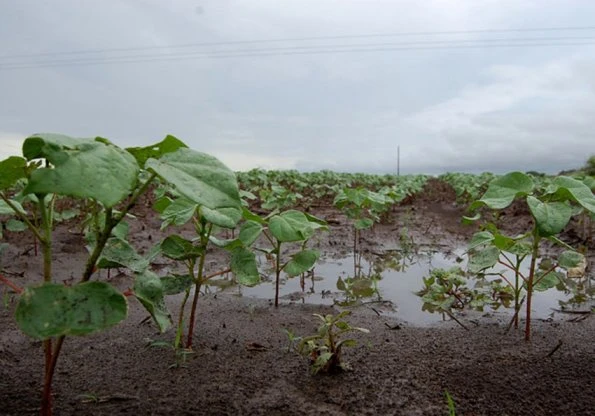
{"x":241,"y":364}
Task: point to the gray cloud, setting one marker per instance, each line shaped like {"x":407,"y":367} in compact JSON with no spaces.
{"x":465,"y":110}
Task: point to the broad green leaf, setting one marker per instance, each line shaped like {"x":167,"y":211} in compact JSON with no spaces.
{"x":550,"y":217}
{"x":155,"y":151}
{"x":82,"y":168}
{"x":52,"y":310}
{"x":199,"y":177}
{"x":174,"y":284}
{"x":249,"y":232}
{"x":178,"y":212}
{"x":119,"y":253}
{"x":503,"y":190}
{"x":575,"y":190}
{"x":6,"y":210}
{"x":341,"y":284}
{"x":222,"y":217}
{"x":250,"y":216}
{"x":149,"y":290}
{"x":483,"y":259}
{"x":290,"y":226}
{"x":177,"y":247}
{"x":520,"y":248}
{"x":363,"y":223}
{"x":229,"y":244}
{"x":11,"y":170}
{"x":316,"y":222}
{"x":15,"y":226}
{"x":162,"y":203}
{"x":480,"y":238}
{"x":548,"y":281}
{"x":244,"y":267}
{"x":301,"y":262}
{"x":569,"y":259}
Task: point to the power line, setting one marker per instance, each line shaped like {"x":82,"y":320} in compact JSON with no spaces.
{"x":303,"y":39}
{"x":222,"y":54}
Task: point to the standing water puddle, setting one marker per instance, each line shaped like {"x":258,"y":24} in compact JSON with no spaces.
{"x":395,"y":280}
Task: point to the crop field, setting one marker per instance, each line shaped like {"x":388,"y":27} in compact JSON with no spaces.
{"x":155,"y":280}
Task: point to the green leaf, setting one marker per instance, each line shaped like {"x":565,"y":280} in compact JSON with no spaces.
{"x":569,"y":259}
{"x":82,"y":168}
{"x":363,"y":223}
{"x":222,"y":217}
{"x":301,"y":262}
{"x":119,"y":253}
{"x":316,"y":222}
{"x":174,"y":284}
{"x":6,"y":210}
{"x":199,"y":177}
{"x":15,"y":226}
{"x":548,"y":281}
{"x":503,"y":190}
{"x":550,"y":217}
{"x":11,"y":170}
{"x":575,"y":190}
{"x":149,"y":290}
{"x":480,"y":238}
{"x":177,"y":247}
{"x":249,"y":232}
{"x":244,"y":267}
{"x":167,"y":145}
{"x":250,"y":216}
{"x":178,"y":212}
{"x":290,"y":226}
{"x":52,"y":310}
{"x":162,"y":203}
{"x":483,"y":259}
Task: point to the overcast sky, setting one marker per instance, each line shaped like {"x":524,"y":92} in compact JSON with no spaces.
{"x":449,"y":109}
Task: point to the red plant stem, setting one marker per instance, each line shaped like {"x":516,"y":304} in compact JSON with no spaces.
{"x":506,"y":280}
{"x":513,"y":269}
{"x":530,"y":283}
{"x":551,"y":269}
{"x":219,"y":273}
{"x":11,"y":285}
{"x":46,"y":399}
{"x":277,"y":273}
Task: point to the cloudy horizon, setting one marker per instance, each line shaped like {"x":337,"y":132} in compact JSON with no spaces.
{"x":454,"y":86}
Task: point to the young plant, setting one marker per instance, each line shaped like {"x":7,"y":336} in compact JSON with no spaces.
{"x":178,"y":211}
{"x":279,"y":229}
{"x":364,"y":207}
{"x":325,"y":347}
{"x":551,"y":207}
{"x":110,"y":177}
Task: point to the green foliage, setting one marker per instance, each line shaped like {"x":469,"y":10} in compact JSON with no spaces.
{"x":552,"y":204}
{"x":105,"y":176}
{"x":52,"y":310}
{"x":325,"y":347}
{"x":467,"y":186}
{"x":81,"y":168}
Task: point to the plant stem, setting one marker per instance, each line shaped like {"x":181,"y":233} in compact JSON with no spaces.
{"x":11,"y":285}
{"x":530,"y":280}
{"x":104,"y":235}
{"x":50,"y":357}
{"x":277,"y":271}
{"x":191,"y":264}
{"x":204,"y":241}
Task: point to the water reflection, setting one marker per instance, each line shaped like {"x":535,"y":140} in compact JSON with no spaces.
{"x":389,"y":281}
